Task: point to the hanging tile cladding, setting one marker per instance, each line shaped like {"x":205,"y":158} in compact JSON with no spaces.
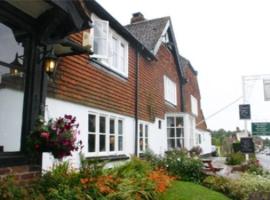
{"x":82,"y":82}
{"x":151,"y":88}
{"x":192,"y":88}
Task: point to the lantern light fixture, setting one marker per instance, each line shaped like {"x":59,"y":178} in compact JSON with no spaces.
{"x":50,"y":63}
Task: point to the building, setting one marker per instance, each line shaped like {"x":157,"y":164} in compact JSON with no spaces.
{"x":192,"y":98}
{"x":128,"y":96}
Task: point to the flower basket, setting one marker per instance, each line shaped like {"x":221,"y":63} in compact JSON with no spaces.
{"x":58,"y":137}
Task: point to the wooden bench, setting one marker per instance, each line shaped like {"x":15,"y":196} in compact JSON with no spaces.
{"x":208,"y":167}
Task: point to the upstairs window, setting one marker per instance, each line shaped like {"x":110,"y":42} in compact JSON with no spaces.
{"x":194,"y":105}
{"x":170,"y":91}
{"x":110,"y":49}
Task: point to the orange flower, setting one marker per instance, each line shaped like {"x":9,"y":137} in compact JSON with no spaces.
{"x":161,"y":179}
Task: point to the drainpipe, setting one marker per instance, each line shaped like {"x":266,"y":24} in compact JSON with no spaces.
{"x":136,"y":99}
{"x":183,"y":81}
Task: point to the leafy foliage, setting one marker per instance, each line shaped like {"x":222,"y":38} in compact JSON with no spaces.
{"x":180,"y":164}
{"x":235,"y":158}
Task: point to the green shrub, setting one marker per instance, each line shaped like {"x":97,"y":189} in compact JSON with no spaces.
{"x":239,"y":189}
{"x":156,"y":161}
{"x":236,"y":147}
{"x":235,"y":158}
{"x":135,"y":188}
{"x":217,"y":183}
{"x":248,"y":184}
{"x":134,"y":168}
{"x":179,"y":164}
{"x":253,"y":167}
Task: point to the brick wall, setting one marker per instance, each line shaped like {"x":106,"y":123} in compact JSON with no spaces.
{"x":192,"y":88}
{"x":81,"y":81}
{"x":151,"y":88}
{"x":22,"y":174}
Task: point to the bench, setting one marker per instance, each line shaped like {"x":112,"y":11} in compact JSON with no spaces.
{"x":208,"y":167}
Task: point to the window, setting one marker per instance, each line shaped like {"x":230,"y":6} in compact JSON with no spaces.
{"x":194,"y":105}
{"x":199,"y":139}
{"x":143,"y":137}
{"x":110,"y":49}
{"x":266,"y":86}
{"x":105,"y":134}
{"x":12,"y":81}
{"x":159,"y":124}
{"x":175,"y":132}
{"x":170,"y":91}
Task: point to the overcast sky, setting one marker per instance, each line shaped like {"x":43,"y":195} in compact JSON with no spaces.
{"x":223,"y":39}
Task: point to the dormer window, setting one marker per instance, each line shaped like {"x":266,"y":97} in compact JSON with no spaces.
{"x":110,"y":49}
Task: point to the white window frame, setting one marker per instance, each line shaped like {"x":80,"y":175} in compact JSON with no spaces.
{"x":194,"y":105}
{"x":107,"y":135}
{"x":107,"y":59}
{"x":180,"y":138}
{"x":144,"y":137}
{"x":170,"y":93}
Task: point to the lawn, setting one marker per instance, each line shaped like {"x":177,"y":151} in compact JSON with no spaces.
{"x":189,"y":191}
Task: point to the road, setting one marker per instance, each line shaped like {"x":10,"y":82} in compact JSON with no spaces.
{"x":264,"y":160}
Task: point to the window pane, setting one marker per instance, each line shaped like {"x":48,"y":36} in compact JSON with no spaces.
{"x":171,"y":132}
{"x":11,"y":90}
{"x":102,"y":124}
{"x":91,"y":143}
{"x":170,"y":122}
{"x":114,"y":52}
{"x":179,"y":122}
{"x":171,"y":144}
{"x":146,"y":131}
{"x":178,"y":132}
{"x":141,"y":144}
{"x":141,"y":130}
{"x":112,"y":143}
{"x":120,"y":127}
{"x":102,"y":143}
{"x":178,"y":143}
{"x":122,"y":58}
{"x":100,"y":37}
{"x":146,"y":143}
{"x":112,"y":126}
{"x":91,"y":123}
{"x":120,"y":143}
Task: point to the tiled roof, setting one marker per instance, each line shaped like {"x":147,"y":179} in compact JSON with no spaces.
{"x":148,"y":32}
{"x":186,"y":63}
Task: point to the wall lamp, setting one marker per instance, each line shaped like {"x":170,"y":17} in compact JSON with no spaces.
{"x":50,"y":63}
{"x":16,"y":68}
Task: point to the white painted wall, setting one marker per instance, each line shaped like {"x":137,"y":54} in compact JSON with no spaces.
{"x":56,"y":108}
{"x":11,"y":108}
{"x":206,"y":141}
{"x":157,"y":137}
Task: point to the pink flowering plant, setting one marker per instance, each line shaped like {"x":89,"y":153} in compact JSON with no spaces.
{"x":57,"y":136}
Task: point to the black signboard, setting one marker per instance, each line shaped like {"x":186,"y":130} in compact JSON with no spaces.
{"x":247,"y":145}
{"x":244,"y":111}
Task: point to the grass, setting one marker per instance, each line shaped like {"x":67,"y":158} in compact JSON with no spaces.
{"x":189,"y":191}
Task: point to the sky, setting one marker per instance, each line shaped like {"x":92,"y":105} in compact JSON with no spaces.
{"x":224,"y":41}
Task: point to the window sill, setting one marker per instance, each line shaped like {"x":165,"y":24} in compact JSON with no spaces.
{"x":8,"y":159}
{"x":108,"y":69}
{"x":109,"y":158}
{"x":170,"y":104}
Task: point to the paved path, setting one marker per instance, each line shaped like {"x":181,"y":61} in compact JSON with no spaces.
{"x":226,"y":169}
{"x":264,"y":160}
